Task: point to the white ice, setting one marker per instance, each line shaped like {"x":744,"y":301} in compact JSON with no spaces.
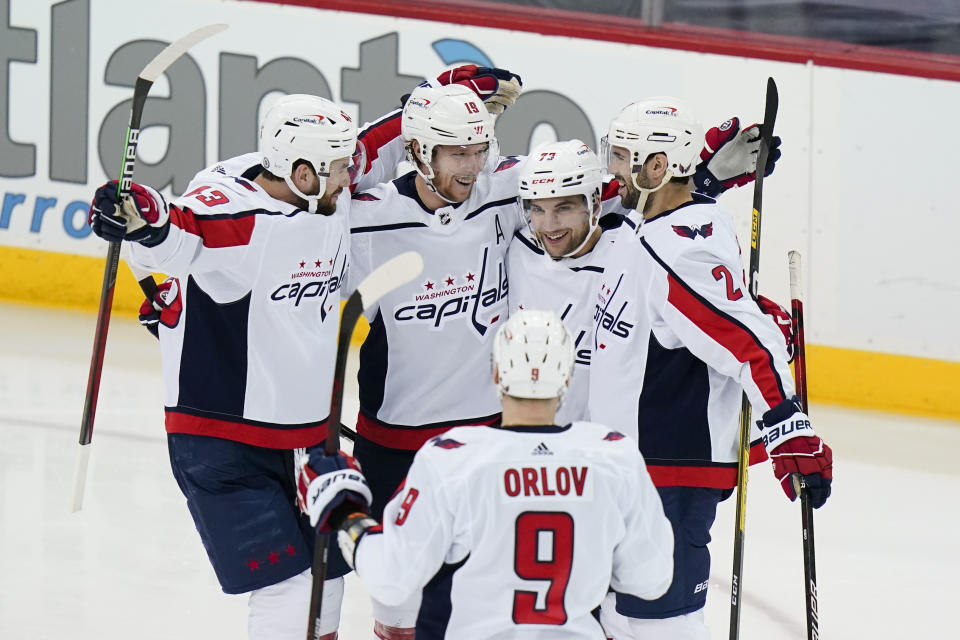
{"x":131,"y":565}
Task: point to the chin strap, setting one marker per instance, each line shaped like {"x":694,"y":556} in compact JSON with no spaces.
{"x":645,"y":193}
{"x":312,"y":201}
{"x":428,"y":178}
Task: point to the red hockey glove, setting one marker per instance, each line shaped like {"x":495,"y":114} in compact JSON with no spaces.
{"x":795,"y":449}
{"x":331,"y":487}
{"x":781,"y":317}
{"x":143,"y":217}
{"x":729,"y":157}
{"x":498,"y":88}
{"x":165,"y":308}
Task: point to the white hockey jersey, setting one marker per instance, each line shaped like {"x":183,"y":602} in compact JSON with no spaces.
{"x":518,"y":532}
{"x":566,"y":286}
{"x":678,"y":337}
{"x":425,"y":364}
{"x":250,"y":357}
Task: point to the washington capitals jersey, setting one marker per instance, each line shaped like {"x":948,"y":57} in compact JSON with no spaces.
{"x":250,"y":356}
{"x":677,"y":338}
{"x":519,"y":532}
{"x":567,"y":287}
{"x":425,"y":365}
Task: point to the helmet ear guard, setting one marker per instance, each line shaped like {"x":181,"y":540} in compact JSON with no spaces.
{"x":533,"y":354}
{"x":313,"y":129}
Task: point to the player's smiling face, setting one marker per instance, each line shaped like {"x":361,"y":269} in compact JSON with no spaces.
{"x":455,"y":169}
{"x":561,"y":223}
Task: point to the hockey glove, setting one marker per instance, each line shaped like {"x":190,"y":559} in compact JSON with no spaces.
{"x":498,"y":88}
{"x":781,"y":317}
{"x":143,"y":217}
{"x":729,"y":158}
{"x":331,"y":487}
{"x":165,"y":308}
{"x":795,"y":449}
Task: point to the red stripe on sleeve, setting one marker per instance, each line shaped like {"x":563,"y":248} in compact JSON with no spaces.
{"x":216,"y":233}
{"x":732,"y":337}
{"x":377,"y":136}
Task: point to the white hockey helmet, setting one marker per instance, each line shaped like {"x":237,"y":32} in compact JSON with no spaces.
{"x":304,"y":127}
{"x":533,"y":354}
{"x":447,"y":115}
{"x":558,"y":169}
{"x":657,"y":125}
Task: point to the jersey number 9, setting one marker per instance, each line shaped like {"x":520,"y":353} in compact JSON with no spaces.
{"x":543,"y":551}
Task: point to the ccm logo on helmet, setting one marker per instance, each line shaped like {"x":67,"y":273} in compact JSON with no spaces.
{"x":542,"y":181}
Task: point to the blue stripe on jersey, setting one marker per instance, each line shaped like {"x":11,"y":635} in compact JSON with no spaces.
{"x":725,"y":316}
{"x":213,"y":366}
{"x":588,"y":268}
{"x":528,"y":428}
{"x":436,"y":606}
{"x":489,"y":205}
{"x":672,"y":412}
{"x":387,"y":227}
{"x":372,"y":375}
{"x":527,"y":242}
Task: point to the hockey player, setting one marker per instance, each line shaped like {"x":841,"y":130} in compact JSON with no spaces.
{"x":554,"y":260}
{"x":573,"y":218}
{"x":678,"y":338}
{"x":511,"y":532}
{"x":258,"y":250}
{"x":429,"y":342}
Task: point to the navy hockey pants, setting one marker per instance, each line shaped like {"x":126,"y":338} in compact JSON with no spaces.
{"x":691,"y":511}
{"x":243,"y":500}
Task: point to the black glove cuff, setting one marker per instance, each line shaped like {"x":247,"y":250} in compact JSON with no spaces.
{"x":782,"y":411}
{"x":156,"y":235}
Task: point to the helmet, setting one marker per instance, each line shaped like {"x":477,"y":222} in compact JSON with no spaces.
{"x":311,"y":128}
{"x":558,"y":169}
{"x":657,"y":125}
{"x":447,"y":115}
{"x":533,"y":354}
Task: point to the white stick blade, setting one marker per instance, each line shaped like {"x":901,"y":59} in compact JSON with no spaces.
{"x":80,"y":477}
{"x":393,"y":273}
{"x":176,"y":49}
{"x":796,"y":292}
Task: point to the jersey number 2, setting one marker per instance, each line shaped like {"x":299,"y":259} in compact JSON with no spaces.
{"x":720,"y":272}
{"x":543,"y":551}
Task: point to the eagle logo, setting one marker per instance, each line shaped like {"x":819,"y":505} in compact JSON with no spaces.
{"x":446,"y":443}
{"x":692,"y":232}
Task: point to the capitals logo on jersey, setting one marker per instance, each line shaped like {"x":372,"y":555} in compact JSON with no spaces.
{"x":314,"y":278}
{"x":478,"y":294}
{"x":609,"y":313}
{"x":705,"y":230}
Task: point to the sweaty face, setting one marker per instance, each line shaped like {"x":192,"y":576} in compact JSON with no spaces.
{"x":561,"y":224}
{"x":455,"y":169}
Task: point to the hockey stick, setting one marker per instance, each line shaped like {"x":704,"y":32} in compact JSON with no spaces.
{"x":145,"y":80}
{"x":394,"y":273}
{"x":806,"y":509}
{"x":743,"y":455}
